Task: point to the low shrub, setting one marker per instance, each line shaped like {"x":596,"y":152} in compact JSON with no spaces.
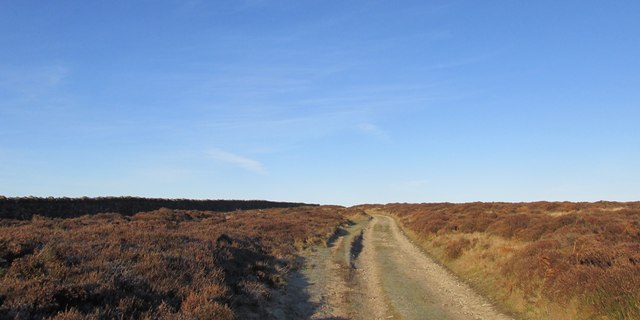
{"x":558,"y":252}
{"x":162,"y":264}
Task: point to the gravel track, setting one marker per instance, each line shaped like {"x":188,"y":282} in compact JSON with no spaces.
{"x":373,"y":271}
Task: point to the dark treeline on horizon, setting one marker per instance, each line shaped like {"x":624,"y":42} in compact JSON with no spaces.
{"x":24,"y":208}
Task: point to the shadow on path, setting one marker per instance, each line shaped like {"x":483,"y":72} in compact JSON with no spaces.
{"x":261,"y":289}
{"x":356,"y":248}
{"x":295,"y":302}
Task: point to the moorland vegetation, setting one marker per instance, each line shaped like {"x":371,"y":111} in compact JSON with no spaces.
{"x":161,"y":264}
{"x":543,"y":260}
{"x":26,"y":207}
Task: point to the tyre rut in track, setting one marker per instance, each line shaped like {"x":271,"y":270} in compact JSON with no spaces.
{"x":371,"y":270}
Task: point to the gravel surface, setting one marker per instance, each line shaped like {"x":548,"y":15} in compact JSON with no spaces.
{"x":373,"y":271}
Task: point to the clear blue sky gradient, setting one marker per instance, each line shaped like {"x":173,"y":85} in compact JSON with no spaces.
{"x":333,"y":102}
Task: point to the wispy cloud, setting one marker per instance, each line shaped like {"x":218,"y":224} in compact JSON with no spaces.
{"x":32,"y":88}
{"x":374,"y":131}
{"x":238,"y":161}
{"x":29,"y":79}
{"x":462,"y":62}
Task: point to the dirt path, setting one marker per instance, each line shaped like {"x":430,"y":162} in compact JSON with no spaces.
{"x":372,"y":271}
{"x":415,"y":286}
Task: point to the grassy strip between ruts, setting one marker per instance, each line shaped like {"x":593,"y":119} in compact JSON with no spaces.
{"x":163,"y":264}
{"x":537,"y":260}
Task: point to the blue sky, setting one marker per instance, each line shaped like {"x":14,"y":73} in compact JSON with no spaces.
{"x":333,"y":102}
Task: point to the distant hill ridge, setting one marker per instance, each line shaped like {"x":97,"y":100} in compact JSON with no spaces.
{"x":23,"y":208}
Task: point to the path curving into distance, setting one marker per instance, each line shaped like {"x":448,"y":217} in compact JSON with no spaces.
{"x":371,"y":270}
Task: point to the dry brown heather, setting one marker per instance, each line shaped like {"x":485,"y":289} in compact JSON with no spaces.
{"x":538,"y":260}
{"x":164,"y":264}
